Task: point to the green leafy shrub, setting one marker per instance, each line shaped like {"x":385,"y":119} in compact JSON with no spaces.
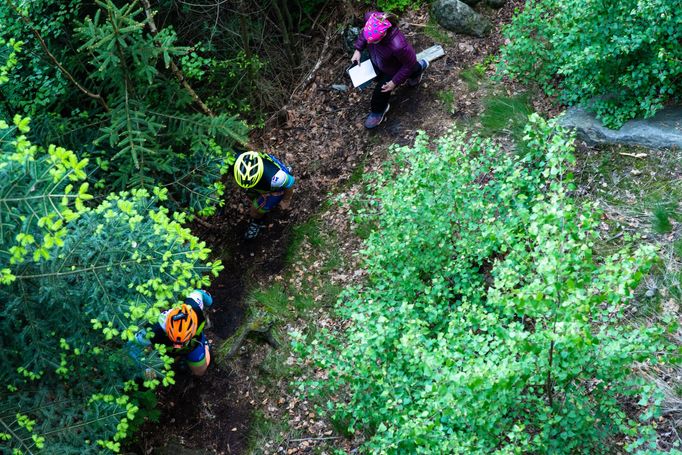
{"x":35,"y":84}
{"x":236,"y":82}
{"x":620,"y":59}
{"x":76,"y":283}
{"x":140,"y":124}
{"x":8,"y":57}
{"x":395,"y":6}
{"x":486,"y":324}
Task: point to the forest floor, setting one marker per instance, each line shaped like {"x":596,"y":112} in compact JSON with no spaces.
{"x":292,"y":274}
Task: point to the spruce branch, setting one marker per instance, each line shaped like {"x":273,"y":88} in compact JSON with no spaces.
{"x":174,"y":68}
{"x":82,"y":424}
{"x":54,"y":60}
{"x":16,"y":436}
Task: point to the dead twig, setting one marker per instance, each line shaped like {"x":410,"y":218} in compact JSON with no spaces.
{"x":318,"y":15}
{"x":323,"y":57}
{"x":414,"y":25}
{"x":206,"y":224}
{"x":309,"y":78}
{"x":322,"y":438}
{"x":634,"y":155}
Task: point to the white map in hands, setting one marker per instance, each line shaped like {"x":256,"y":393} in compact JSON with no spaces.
{"x":359,"y":74}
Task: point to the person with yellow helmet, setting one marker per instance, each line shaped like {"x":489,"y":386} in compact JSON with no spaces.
{"x":269,"y":183}
{"x":181,"y":329}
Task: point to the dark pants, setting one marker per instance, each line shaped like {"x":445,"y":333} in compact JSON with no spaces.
{"x":379,"y":98}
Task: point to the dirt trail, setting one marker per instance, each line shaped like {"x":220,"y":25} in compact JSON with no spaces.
{"x":320,"y":135}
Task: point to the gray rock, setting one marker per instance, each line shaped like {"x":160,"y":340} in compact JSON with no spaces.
{"x":458,"y":17}
{"x":496,"y":3}
{"x":662,"y":131}
{"x":350,"y":34}
{"x":340,"y":87}
{"x":471,"y":3}
{"x":465,"y":47}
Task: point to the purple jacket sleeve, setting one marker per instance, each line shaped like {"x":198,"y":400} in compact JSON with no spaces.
{"x":408,"y":59}
{"x":361,"y":42}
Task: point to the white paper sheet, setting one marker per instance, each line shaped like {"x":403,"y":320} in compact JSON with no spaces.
{"x":360,"y":74}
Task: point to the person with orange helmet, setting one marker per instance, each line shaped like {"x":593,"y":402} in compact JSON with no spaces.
{"x":181,"y":329}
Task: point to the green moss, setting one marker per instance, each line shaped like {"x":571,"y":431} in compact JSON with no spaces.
{"x":357,"y":174}
{"x":263,"y":429}
{"x":447,"y":97}
{"x":273,"y":300}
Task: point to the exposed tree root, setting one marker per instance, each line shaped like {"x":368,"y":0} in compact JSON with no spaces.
{"x":258,"y":328}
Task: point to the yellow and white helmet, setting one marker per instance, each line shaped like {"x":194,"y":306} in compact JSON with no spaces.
{"x":248,"y":169}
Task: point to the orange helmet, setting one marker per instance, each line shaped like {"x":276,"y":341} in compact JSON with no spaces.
{"x":181,"y":325}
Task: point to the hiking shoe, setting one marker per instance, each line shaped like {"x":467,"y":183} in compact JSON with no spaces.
{"x":373,"y":119}
{"x":413,"y":82}
{"x":252,"y":230}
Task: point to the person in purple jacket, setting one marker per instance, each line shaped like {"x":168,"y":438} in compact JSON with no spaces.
{"x":394,"y":60}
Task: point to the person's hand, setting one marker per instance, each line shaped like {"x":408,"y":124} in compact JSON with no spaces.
{"x":388,"y":87}
{"x":285,"y":204}
{"x":356,"y":57}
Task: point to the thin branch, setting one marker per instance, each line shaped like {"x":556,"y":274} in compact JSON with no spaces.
{"x":42,"y":196}
{"x":549,"y":389}
{"x":82,"y":424}
{"x":312,"y":27}
{"x":174,"y":68}
{"x":322,"y":438}
{"x":318,"y":64}
{"x":13,"y":413}
{"x":75,"y":272}
{"x":16,"y":436}
{"x":206,"y":224}
{"x":288,"y":44}
{"x":68,"y":75}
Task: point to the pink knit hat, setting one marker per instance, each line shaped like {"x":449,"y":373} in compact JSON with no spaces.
{"x":376,"y":27}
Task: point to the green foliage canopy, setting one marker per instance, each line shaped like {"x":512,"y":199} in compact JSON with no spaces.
{"x":486,"y":324}
{"x":622,"y":59}
{"x":76,"y":283}
{"x":138,"y":122}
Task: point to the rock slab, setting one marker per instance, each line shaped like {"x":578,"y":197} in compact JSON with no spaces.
{"x":458,"y":17}
{"x":662,"y":131}
{"x":471,"y":3}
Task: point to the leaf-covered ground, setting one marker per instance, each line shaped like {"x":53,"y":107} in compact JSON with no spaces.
{"x":291,"y":275}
